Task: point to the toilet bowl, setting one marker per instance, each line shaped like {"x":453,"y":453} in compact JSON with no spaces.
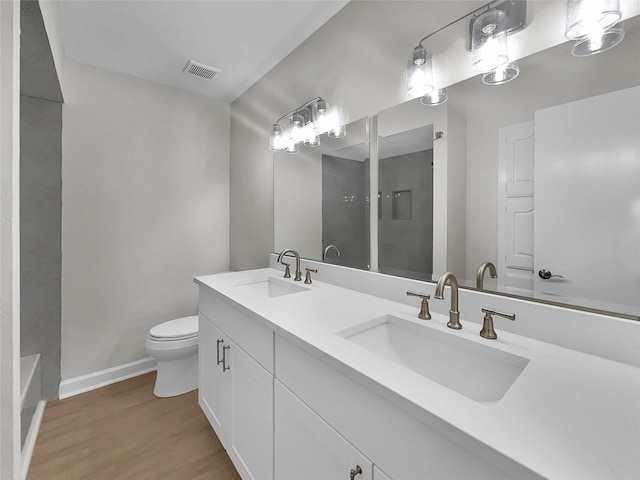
{"x":174,"y":345}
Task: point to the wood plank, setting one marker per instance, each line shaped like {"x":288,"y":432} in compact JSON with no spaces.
{"x":122,"y":431}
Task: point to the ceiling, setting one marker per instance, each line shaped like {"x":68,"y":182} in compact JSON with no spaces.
{"x":153,"y":39}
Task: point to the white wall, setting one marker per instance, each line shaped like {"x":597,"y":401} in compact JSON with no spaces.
{"x":144,"y":209}
{"x":9,"y":240}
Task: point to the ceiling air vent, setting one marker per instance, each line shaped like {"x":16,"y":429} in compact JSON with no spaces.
{"x":200,"y":70}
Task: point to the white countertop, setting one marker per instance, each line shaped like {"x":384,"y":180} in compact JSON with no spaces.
{"x":568,"y":415}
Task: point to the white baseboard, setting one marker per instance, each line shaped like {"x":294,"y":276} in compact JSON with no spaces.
{"x":91,"y":381}
{"x":30,"y":441}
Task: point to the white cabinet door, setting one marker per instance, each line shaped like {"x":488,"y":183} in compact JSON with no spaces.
{"x":214,"y":394}
{"x":251,"y":438}
{"x":307,"y":447}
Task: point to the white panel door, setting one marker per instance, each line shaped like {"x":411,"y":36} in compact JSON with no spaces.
{"x":515,"y":207}
{"x":214,"y":384}
{"x":251,"y":437}
{"x":307,"y":447}
{"x":587,"y":201}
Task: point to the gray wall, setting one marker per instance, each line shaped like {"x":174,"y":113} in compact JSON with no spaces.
{"x":344,"y":210}
{"x":40,"y":199}
{"x":40,"y":242}
{"x":414,"y":255}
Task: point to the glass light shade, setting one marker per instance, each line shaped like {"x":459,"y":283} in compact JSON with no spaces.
{"x":489,"y":41}
{"x":338,"y":132}
{"x":305,"y":113}
{"x":291,"y":147}
{"x":276,"y":140}
{"x":311,"y":133}
{"x":312,"y":141}
{"x":502,"y":74}
{"x":296,"y":132}
{"x":436,"y":97}
{"x":419,"y":72}
{"x":598,"y":42}
{"x":591,"y":17}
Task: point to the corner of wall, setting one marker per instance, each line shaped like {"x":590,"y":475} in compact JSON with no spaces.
{"x":49,"y":10}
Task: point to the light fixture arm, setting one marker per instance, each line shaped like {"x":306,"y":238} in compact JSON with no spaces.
{"x":304,"y":105}
{"x":477,"y":10}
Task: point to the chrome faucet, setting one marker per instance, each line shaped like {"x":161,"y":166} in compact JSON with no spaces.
{"x":480,"y":275}
{"x":295,"y":254}
{"x":454,"y":314}
{"x":327,"y":250}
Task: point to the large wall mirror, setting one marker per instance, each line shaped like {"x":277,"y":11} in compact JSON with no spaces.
{"x":540,"y":176}
{"x":321,"y":199}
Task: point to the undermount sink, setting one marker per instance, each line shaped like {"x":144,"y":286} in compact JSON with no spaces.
{"x":481,"y":373}
{"x":270,"y":287}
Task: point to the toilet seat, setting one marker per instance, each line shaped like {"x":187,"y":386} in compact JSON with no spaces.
{"x":174,"y":330}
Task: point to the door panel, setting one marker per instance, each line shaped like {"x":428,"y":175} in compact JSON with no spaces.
{"x":573,"y":163}
{"x":516,"y":208}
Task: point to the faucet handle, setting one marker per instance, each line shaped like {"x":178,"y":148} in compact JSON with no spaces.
{"x":424,"y":305}
{"x":307,"y":278}
{"x":287,"y":271}
{"x":487,"y":325}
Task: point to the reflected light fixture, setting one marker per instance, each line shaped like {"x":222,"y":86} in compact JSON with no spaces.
{"x":436,"y":97}
{"x":305,"y":124}
{"x":594,"y":26}
{"x":502,"y":74}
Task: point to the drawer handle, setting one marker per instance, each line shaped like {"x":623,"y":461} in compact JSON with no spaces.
{"x":354,"y":472}
{"x":224,"y":358}
{"x":218,"y":342}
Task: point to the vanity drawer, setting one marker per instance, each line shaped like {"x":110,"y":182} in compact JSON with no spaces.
{"x":254,"y":338}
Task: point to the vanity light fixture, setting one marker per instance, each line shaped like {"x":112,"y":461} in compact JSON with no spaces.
{"x":489,"y":28}
{"x":489,"y":32}
{"x":593,"y":25}
{"x":489,"y":41}
{"x":304,"y":125}
{"x":419,"y":71}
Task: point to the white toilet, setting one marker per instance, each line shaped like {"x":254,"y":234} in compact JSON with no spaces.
{"x":174,"y":344}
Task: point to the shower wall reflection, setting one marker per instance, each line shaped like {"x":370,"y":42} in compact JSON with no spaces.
{"x":345,"y":210}
{"x":405,"y":210}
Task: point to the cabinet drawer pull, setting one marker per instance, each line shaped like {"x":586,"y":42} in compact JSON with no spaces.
{"x":355,"y":471}
{"x":218,"y":342}
{"x":224,"y":358}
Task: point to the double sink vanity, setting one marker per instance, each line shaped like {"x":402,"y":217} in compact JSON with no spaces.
{"x":321,"y":381}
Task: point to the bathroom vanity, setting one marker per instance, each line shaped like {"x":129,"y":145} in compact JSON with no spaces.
{"x":321,"y":381}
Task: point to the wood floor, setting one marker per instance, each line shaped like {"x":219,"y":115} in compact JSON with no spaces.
{"x":123,"y":432}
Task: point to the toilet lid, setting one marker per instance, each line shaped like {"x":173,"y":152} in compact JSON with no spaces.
{"x":178,"y":329}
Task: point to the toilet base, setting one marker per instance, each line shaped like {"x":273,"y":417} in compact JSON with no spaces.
{"x":176,"y":377}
